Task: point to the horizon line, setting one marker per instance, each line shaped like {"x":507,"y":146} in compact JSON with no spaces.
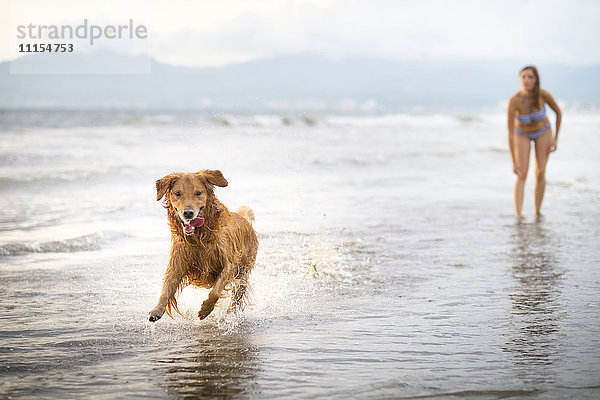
{"x":327,"y":57}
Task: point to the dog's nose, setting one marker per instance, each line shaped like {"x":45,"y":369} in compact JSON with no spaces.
{"x":188,"y":213}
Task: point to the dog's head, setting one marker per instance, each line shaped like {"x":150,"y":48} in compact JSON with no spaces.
{"x":189,"y":194}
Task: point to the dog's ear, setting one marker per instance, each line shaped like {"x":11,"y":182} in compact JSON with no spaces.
{"x":214,"y":177}
{"x":164,"y":184}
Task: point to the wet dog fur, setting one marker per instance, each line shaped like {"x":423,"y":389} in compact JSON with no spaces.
{"x":211,"y":247}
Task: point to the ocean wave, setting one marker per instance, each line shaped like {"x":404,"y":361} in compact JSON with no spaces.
{"x":30,"y":174}
{"x":82,"y":243}
{"x":347,"y":161}
{"x":417,"y":120}
{"x":264,"y":120}
{"x":396,"y":120}
{"x":576,"y":183}
{"x":382,"y":159}
{"x":407,"y":120}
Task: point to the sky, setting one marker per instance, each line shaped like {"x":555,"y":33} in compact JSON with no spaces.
{"x":212,"y":33}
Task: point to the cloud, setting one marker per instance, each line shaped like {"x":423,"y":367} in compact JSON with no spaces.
{"x":215,"y":33}
{"x":431,"y":29}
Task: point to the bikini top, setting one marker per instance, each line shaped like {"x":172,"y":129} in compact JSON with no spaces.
{"x":532,"y":116}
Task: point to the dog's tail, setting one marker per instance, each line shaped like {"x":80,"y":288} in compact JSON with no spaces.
{"x":247,"y":213}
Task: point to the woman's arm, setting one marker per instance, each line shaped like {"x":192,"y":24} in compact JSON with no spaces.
{"x":547,"y":97}
{"x":511,"y":115}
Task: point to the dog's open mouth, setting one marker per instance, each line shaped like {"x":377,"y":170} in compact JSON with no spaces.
{"x":190,"y":225}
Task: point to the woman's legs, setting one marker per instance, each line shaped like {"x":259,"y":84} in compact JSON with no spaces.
{"x":541,"y":159}
{"x":523,"y":148}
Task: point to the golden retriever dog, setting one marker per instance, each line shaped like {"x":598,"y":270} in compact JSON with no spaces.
{"x":211,"y":247}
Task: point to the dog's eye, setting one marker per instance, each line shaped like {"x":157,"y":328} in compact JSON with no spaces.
{"x":177,"y":194}
{"x":198,"y":193}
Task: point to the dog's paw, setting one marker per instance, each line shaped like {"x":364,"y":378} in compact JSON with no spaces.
{"x":156,"y":314}
{"x":206,"y":310}
{"x":154,"y":318}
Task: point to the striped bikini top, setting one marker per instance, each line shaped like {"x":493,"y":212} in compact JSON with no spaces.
{"x":532,"y":116}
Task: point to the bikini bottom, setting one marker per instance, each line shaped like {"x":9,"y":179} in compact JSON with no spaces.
{"x":533,"y":135}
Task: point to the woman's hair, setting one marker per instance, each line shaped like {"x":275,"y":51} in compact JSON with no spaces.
{"x":536,"y":88}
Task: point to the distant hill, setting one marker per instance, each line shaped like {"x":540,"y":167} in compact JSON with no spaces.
{"x":303,"y":82}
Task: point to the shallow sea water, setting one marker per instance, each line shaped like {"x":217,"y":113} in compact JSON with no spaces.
{"x":390,"y":264}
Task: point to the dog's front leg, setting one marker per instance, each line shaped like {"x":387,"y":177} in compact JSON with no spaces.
{"x":170,"y":285}
{"x":209,"y":304}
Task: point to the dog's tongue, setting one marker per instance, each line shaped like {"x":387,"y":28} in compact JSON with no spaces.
{"x":197,"y":222}
{"x":192,"y":225}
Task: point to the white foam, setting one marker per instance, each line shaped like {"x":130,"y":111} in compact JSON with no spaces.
{"x":82,"y":243}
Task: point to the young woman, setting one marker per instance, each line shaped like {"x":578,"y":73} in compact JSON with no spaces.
{"x":528,"y":122}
